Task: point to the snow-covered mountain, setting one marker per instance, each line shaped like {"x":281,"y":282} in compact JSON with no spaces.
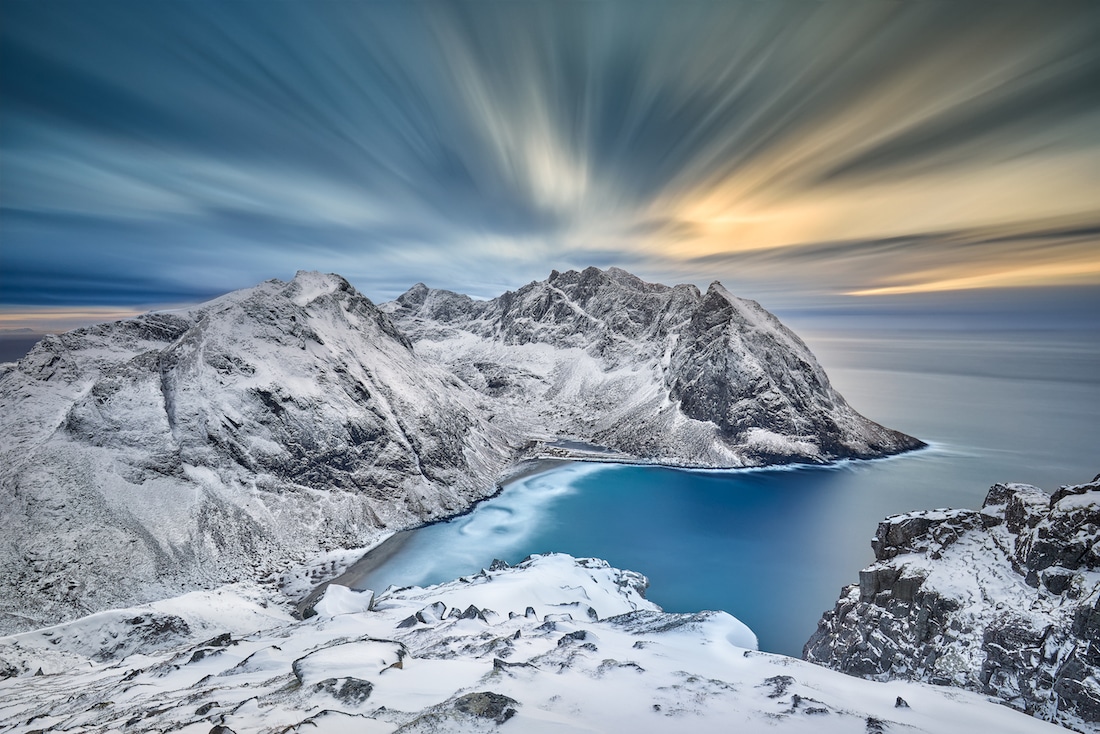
{"x":662,"y":373}
{"x":180,"y":450}
{"x":1005,"y":601}
{"x":555,"y":644}
{"x":173,"y":451}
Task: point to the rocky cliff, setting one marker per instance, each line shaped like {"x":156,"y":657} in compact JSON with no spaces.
{"x":1004,"y":600}
{"x":183,"y":449}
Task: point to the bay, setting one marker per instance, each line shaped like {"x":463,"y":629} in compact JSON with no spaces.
{"x":774,"y":547}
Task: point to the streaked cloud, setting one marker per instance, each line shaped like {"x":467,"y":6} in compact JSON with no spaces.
{"x":45,"y":320}
{"x":164,"y":152}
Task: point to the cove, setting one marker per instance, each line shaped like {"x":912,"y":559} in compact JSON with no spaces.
{"x":774,"y":546}
{"x":770,"y":546}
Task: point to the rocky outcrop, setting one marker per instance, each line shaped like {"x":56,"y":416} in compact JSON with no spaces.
{"x":669,"y":374}
{"x":1005,"y":601}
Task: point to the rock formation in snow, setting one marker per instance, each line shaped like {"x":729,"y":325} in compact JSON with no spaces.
{"x":179,"y":450}
{"x":662,"y":373}
{"x":1005,"y":601}
{"x":555,"y":644}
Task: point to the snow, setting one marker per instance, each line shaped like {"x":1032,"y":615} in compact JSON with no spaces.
{"x":339,"y":599}
{"x":525,"y":635}
{"x":312,"y":285}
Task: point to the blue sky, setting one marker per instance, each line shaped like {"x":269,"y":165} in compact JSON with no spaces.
{"x":806,"y":154}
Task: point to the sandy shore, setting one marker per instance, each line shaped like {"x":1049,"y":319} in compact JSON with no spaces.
{"x":529,"y":468}
{"x":359,"y":570}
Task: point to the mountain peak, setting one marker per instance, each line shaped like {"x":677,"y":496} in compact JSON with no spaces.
{"x":309,"y":285}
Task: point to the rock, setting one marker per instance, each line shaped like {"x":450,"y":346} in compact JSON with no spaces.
{"x":779,"y":685}
{"x":571,"y":637}
{"x":487,"y":705}
{"x":223,"y":640}
{"x":901,"y":703}
{"x":348,"y":690}
{"x":1003,"y":601}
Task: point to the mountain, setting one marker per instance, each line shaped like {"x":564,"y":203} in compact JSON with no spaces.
{"x":1004,"y":601}
{"x":146,"y":457}
{"x":555,"y":644}
{"x":666,"y":374}
{"x":180,"y":450}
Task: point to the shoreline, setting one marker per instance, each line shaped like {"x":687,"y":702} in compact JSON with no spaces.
{"x":527,"y":467}
{"x":368,"y":562}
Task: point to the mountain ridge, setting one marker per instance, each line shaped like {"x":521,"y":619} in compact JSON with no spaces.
{"x":729,"y":384}
{"x":225,"y":441}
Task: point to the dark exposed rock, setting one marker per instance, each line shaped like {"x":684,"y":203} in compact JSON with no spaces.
{"x":487,"y":705}
{"x":1017,"y":619}
{"x":223,"y":640}
{"x":351,"y":691}
{"x":571,"y":637}
{"x":473,"y":711}
{"x":499,"y":664}
{"x":779,"y":684}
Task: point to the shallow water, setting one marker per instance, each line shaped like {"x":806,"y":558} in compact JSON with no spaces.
{"x":774,"y":547}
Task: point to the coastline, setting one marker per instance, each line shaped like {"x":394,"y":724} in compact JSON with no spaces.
{"x":379,"y":554}
{"x":368,"y":562}
{"x":530,"y":466}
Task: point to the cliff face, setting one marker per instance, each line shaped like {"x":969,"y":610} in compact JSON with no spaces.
{"x":1005,"y":601}
{"x":663,"y":373}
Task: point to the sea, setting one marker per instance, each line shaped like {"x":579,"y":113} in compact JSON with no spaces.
{"x":774,"y":547}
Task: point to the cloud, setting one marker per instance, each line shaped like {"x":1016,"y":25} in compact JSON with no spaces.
{"x":159,"y":152}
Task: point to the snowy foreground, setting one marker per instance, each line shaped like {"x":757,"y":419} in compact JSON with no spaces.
{"x":555,"y":644}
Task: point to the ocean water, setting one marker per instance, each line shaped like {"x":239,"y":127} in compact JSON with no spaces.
{"x":774,"y":547}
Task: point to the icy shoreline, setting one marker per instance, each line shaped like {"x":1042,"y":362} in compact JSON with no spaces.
{"x":375,"y":556}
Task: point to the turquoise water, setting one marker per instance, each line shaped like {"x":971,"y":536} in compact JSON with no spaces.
{"x":774,"y":547}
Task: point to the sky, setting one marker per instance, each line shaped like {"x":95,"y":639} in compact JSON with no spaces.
{"x":811,"y":155}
